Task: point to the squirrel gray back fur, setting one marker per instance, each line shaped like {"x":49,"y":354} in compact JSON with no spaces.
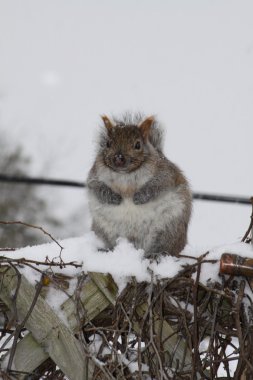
{"x":134,"y":191}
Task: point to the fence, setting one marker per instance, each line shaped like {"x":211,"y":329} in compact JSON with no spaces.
{"x":153,"y":330}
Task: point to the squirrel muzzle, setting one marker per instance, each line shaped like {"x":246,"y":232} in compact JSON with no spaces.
{"x":119,"y":160}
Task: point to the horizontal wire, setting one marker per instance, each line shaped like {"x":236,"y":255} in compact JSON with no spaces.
{"x":40,"y":181}
{"x":67,"y":183}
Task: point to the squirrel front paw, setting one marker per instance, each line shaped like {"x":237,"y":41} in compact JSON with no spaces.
{"x":115,"y":198}
{"x":141,"y":197}
{"x":106,"y":195}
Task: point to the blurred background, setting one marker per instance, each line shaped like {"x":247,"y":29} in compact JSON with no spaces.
{"x":63,"y":63}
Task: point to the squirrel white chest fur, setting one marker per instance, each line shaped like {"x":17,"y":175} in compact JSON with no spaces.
{"x":138,"y":223}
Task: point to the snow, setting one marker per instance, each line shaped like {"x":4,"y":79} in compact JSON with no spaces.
{"x":95,"y":345}
{"x":123,"y":262}
{"x":134,"y":366}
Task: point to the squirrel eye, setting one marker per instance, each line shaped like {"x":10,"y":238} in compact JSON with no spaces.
{"x":137,"y":145}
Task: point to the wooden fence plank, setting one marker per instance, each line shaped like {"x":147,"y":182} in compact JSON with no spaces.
{"x":95,"y":297}
{"x":97,"y":294}
{"x":29,"y":355}
{"x":46,"y":327}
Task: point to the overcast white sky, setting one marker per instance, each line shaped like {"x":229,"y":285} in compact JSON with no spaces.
{"x":63,"y":63}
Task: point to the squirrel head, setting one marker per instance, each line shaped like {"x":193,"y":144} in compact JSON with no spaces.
{"x":125,"y":146}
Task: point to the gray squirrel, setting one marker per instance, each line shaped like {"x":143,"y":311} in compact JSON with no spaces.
{"x":135,"y":192}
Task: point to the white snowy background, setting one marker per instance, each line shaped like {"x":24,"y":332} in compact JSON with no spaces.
{"x":63,"y":63}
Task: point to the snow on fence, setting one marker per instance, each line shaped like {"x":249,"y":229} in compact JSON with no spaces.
{"x":192,"y":325}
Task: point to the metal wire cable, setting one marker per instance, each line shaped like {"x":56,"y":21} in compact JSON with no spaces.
{"x":67,"y":183}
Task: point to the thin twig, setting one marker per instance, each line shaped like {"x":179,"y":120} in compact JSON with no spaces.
{"x":48,"y":263}
{"x":34,"y":227}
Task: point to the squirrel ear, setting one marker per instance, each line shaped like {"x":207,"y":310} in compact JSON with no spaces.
{"x":145,"y":126}
{"x":107,"y":122}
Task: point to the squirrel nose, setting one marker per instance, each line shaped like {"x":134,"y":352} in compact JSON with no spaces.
{"x":119,"y":160}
